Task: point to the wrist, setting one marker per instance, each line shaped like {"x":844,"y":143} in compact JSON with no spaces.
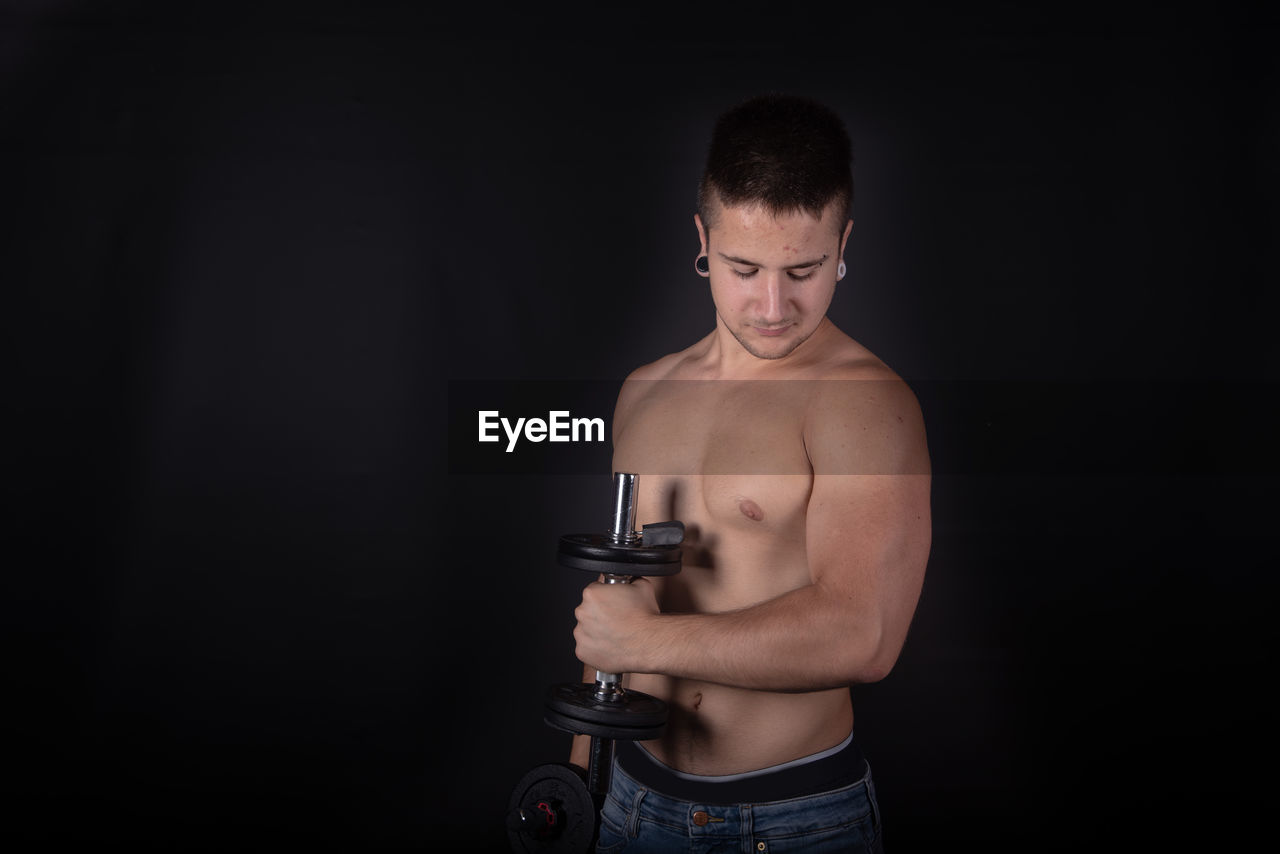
{"x":645,"y":650}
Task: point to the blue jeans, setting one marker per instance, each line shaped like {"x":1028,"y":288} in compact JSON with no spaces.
{"x":637,"y":820}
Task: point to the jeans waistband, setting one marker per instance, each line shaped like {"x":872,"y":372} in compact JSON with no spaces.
{"x":630,"y":804}
{"x":823,"y":772}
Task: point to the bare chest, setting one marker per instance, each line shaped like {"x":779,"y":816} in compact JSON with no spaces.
{"x":729,"y":462}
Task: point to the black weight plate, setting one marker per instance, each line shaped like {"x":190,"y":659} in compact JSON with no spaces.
{"x":596,"y":553}
{"x":578,"y":700}
{"x":577,"y":726}
{"x":558,"y":790}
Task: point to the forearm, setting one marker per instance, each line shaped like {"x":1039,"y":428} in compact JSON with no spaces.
{"x":580,"y":751}
{"x":809,"y":639}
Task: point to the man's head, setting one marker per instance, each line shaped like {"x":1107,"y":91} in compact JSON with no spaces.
{"x":785,"y":153}
{"x":773,"y":220}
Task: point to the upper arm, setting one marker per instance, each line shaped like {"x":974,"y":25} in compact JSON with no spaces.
{"x":634,"y":388}
{"x":627,"y":397}
{"x":868,"y":527}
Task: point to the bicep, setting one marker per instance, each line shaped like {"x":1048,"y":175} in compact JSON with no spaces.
{"x":868,"y":538}
{"x":868,"y":529}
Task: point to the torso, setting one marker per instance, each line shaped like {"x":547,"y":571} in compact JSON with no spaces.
{"x":727,"y":458}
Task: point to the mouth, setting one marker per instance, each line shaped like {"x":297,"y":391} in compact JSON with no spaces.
{"x":771,"y":332}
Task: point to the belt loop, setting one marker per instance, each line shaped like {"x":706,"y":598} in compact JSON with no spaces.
{"x":746,"y":832}
{"x":633,"y":815}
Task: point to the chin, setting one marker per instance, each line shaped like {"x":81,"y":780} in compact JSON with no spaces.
{"x":779,"y":353}
{"x":773,"y":348}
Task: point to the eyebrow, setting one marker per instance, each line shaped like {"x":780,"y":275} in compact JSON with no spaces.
{"x":743,"y":261}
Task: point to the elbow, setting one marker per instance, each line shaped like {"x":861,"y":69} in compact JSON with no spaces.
{"x":871,"y":658}
{"x":872,"y":671}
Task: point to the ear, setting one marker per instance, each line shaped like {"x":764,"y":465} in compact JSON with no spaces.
{"x":702,"y":233}
{"x":844,"y":238}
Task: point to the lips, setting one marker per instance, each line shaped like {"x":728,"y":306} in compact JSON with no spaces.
{"x":771,"y":332}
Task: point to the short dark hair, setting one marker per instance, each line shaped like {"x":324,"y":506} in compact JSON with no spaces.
{"x":785,"y":152}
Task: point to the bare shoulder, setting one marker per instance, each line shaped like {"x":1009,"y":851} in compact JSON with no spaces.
{"x":863,"y":418}
{"x":645,"y":381}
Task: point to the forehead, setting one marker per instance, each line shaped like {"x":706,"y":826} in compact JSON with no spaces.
{"x":749,"y":225}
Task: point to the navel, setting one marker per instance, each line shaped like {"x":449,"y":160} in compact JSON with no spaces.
{"x":750,"y":509}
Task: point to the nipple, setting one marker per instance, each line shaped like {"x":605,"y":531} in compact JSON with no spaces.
{"x":750,"y":509}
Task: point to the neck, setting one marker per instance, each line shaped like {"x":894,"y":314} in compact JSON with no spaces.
{"x":728,"y":359}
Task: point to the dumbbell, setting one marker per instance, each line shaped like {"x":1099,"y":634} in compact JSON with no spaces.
{"x":556,"y":807}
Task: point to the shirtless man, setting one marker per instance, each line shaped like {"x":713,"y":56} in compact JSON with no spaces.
{"x":797,"y":461}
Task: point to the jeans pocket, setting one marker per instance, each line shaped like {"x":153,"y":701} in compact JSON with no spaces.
{"x":611,"y":837}
{"x":858,"y":837}
{"x":875,"y":803}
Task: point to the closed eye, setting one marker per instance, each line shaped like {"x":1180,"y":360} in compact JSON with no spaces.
{"x":743,"y":268}
{"x":794,"y":276}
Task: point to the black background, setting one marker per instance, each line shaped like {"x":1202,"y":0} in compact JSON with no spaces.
{"x":248,"y":602}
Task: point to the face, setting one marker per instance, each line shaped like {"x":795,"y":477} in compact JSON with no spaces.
{"x":772,"y":278}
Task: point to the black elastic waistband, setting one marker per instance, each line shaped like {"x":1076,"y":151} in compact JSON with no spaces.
{"x":827,"y":772}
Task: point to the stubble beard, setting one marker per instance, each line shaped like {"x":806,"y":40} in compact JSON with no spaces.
{"x":746,"y":345}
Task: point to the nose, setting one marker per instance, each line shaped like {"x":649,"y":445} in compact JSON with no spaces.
{"x":773,"y":298}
